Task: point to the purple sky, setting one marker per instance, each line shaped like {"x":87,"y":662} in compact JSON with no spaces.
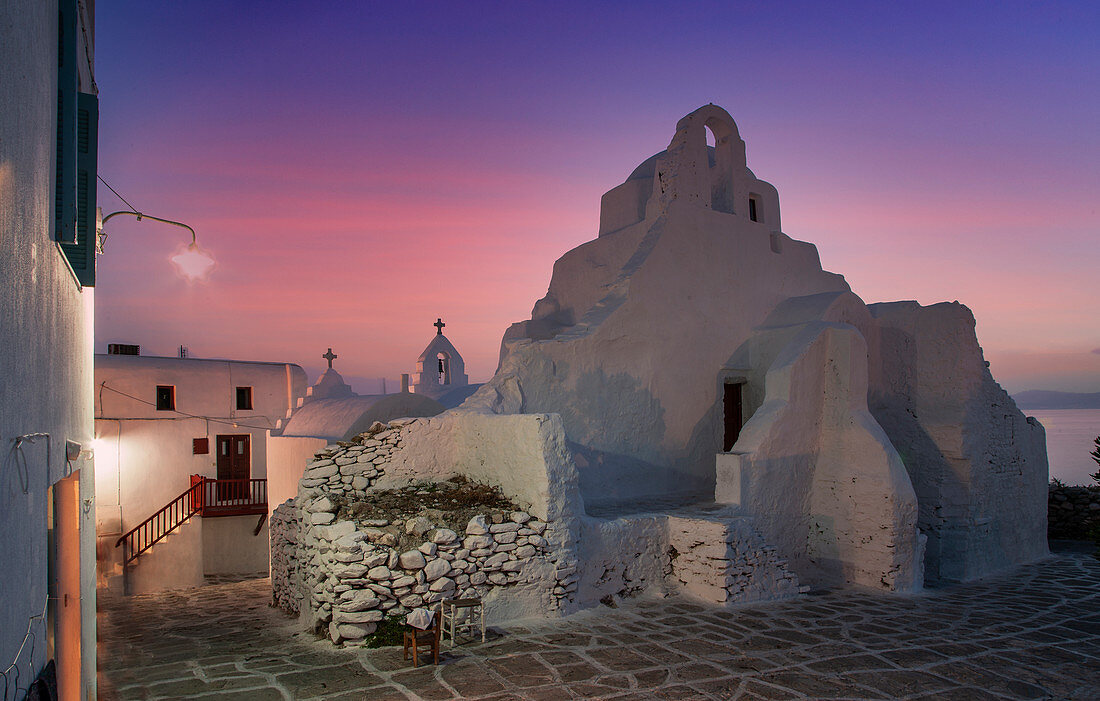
{"x":359,"y":169}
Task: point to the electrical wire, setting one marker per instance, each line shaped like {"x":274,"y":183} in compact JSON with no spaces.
{"x":116,"y":192}
{"x":229,"y":422}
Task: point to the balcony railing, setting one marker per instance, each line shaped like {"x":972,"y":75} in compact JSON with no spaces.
{"x":205,"y":497}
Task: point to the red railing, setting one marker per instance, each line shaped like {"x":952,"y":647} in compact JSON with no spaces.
{"x":205,"y":497}
{"x":232,"y":497}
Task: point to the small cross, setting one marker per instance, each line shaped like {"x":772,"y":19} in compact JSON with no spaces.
{"x":330,"y":356}
{"x":439,"y":327}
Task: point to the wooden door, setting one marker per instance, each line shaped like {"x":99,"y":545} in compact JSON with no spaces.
{"x":234,"y":463}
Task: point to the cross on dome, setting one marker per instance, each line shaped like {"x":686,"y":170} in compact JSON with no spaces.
{"x":439,"y":327}
{"x":330,"y":356}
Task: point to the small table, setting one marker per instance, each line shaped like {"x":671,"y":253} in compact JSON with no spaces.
{"x":451,"y":608}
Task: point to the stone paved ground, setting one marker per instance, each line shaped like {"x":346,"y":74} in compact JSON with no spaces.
{"x":1032,"y":634}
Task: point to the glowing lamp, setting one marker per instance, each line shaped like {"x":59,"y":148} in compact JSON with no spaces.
{"x":191,"y":262}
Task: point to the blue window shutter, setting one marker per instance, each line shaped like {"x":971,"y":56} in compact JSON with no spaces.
{"x":67,"y":86}
{"x":81,"y":254}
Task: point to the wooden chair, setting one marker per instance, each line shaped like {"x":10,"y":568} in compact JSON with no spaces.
{"x":424,"y":638}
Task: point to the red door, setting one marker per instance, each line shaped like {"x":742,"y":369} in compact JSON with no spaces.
{"x":234,"y":463}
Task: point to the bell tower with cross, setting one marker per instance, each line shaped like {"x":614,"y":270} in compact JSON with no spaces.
{"x":330,"y":356}
{"x":439,"y":368}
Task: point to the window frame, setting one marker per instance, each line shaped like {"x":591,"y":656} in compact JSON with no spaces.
{"x":238,"y":403}
{"x":171,"y":398}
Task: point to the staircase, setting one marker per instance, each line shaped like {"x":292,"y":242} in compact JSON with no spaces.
{"x":205,"y":497}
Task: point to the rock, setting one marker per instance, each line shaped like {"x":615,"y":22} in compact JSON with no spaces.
{"x":388,"y":539}
{"x":321,"y":472}
{"x":359,"y":483}
{"x":403,"y":581}
{"x":498,"y":578}
{"x":349,"y":556}
{"x":428,"y":549}
{"x":537,"y":540}
{"x":357,"y":617}
{"x":444,"y":536}
{"x":392,"y":560}
{"x":511,"y":566}
{"x":379,"y":573}
{"x":497,"y":518}
{"x":321,"y":518}
{"x":478,"y":525}
{"x":418,"y":526}
{"x":376,"y":523}
{"x":442,"y":584}
{"x":477,"y":542}
{"x":354,"y":632}
{"x":537,"y":526}
{"x":412,"y":601}
{"x":503,"y":527}
{"x":349,"y":571}
{"x":478,"y":578}
{"x":436,"y":569}
{"x":525,"y":551}
{"x":349,"y":543}
{"x":322,"y":504}
{"x":508,"y":537}
{"x":376,"y":558}
{"x":412,"y":560}
{"x":520,"y":517}
{"x":362,"y":601}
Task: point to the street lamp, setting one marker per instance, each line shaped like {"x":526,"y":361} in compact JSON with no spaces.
{"x":191,"y":262}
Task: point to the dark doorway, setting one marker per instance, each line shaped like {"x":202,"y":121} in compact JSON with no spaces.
{"x":731,"y":407}
{"x":234,"y":463}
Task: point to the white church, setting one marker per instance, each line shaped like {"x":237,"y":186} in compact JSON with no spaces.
{"x":695,"y":405}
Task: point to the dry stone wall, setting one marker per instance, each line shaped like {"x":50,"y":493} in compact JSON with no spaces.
{"x":343,"y":574}
{"x":727,"y":560}
{"x":1072,"y":511}
{"x":286,"y":578}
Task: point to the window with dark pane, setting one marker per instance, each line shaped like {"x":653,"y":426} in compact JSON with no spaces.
{"x":244,"y":397}
{"x":166,"y":397}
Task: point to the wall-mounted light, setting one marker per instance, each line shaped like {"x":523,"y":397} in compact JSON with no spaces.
{"x":191,"y":261}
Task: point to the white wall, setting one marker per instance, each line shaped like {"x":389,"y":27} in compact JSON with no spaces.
{"x":145,"y":457}
{"x":286,"y":461}
{"x":45,"y":323}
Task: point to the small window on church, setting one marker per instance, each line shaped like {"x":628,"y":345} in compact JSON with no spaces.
{"x":244,"y":397}
{"x":752,"y":209}
{"x":166,"y":397}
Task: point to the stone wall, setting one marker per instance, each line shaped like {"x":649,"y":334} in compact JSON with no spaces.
{"x":1072,"y":511}
{"x":724,"y":560}
{"x":286,"y":578}
{"x":344,"y":574}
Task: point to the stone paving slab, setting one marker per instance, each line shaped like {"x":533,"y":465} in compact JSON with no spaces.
{"x":1031,"y":634}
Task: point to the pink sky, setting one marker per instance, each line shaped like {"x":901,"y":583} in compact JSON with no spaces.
{"x":358,"y":172}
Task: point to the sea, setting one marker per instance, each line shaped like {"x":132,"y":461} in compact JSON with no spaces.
{"x":1070,"y":436}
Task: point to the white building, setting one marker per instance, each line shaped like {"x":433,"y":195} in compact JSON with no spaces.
{"x":47,"y":224}
{"x":330,"y":411}
{"x":441,"y":372}
{"x":158,"y":423}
